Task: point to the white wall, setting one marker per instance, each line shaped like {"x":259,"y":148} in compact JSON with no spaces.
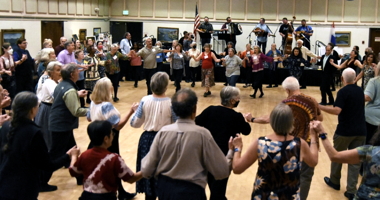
{"x":33,"y":29}
{"x":321,"y":33}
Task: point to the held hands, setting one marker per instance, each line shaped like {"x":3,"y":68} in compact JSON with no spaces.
{"x":73,"y":152}
{"x":230,"y":143}
{"x":332,"y":61}
{"x":238,"y":142}
{"x":5,"y":102}
{"x":82,"y":93}
{"x":134,"y":107}
{"x":316,"y":127}
{"x":248,"y":117}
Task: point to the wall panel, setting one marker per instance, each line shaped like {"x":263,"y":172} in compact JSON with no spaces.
{"x":42,"y":8}
{"x":301,"y":10}
{"x":86,"y":7}
{"x":132,"y":6}
{"x":318,"y":10}
{"x":161,"y":8}
{"x":238,"y":9}
{"x":17,"y":5}
{"x":106,"y":7}
{"x":253,"y":9}
{"x":351,"y":11}
{"x":31,"y":6}
{"x":190,"y":9}
{"x":146,"y":8}
{"x":79,"y":7}
{"x":176,"y":9}
{"x":285,"y":9}
{"x":222,"y":9}
{"x":53,"y":7}
{"x":206,"y":8}
{"x":62,"y":7}
{"x":334,"y":10}
{"x":94,"y":4}
{"x":368,"y":11}
{"x":5,"y":5}
{"x":71,"y":8}
{"x":269,"y":9}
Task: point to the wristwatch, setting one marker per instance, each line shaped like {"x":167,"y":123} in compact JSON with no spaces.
{"x":237,"y":150}
{"x":323,"y":136}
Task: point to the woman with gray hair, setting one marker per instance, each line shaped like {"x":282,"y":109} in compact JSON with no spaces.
{"x":42,"y":60}
{"x":223,"y":122}
{"x":154,"y":112}
{"x":280,"y":156}
{"x":232,"y":63}
{"x":45,"y":89}
{"x":372,"y":108}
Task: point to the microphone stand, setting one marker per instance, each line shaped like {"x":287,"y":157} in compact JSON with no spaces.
{"x":274,"y":34}
{"x":249,"y":37}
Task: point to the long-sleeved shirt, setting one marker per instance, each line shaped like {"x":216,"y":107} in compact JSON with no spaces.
{"x":185,"y":151}
{"x":114,"y":67}
{"x":125,"y":46}
{"x":306,"y":52}
{"x":154,"y":113}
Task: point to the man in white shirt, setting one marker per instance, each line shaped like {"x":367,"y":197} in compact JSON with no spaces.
{"x":305,"y":53}
{"x":125,"y":47}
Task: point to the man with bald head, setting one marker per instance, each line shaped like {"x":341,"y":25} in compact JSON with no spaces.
{"x":350,"y":132}
{"x":61,"y":46}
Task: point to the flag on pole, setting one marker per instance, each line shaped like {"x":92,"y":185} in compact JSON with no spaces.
{"x":197,"y":21}
{"x":333,"y":39}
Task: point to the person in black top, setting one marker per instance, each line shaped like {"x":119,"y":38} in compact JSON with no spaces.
{"x":327,"y":73}
{"x":223,"y":123}
{"x":205,"y":30}
{"x":350,"y":132}
{"x":24,"y":153}
{"x":284,"y":30}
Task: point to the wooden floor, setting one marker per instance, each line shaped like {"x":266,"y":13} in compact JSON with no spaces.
{"x":239,"y":186}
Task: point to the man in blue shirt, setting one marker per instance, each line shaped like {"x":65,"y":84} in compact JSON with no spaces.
{"x":263,"y":32}
{"x":125,"y":65}
{"x":307,"y":32}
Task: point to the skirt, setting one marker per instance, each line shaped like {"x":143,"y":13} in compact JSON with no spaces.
{"x":90,"y":84}
{"x":147,"y":186}
{"x":210,"y":81}
{"x":41,"y":120}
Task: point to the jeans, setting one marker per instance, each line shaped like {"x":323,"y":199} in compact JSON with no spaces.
{"x":232,"y":80}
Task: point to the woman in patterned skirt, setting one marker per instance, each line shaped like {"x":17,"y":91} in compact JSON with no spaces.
{"x":280,"y":156}
{"x":154,"y":112}
{"x":92,"y":73}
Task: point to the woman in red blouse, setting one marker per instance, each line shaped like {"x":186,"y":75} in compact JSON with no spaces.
{"x":207,"y":68}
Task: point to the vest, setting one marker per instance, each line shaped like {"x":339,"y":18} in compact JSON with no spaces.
{"x":61,"y":119}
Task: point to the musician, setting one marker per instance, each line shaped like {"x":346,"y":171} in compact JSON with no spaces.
{"x":285,"y":28}
{"x":207,"y":30}
{"x":232,"y":35}
{"x":305,"y":53}
{"x":263,"y":32}
{"x":307,"y":32}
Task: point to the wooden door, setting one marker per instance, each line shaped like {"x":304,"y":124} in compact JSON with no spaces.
{"x":374,"y":39}
{"x":51,"y":30}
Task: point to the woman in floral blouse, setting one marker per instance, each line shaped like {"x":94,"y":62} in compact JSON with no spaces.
{"x":113,"y":68}
{"x":280,"y":156}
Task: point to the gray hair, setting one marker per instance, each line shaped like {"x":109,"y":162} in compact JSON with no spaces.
{"x":349,"y":75}
{"x":159,"y":82}
{"x":291,"y":83}
{"x":115,"y":45}
{"x":45,"y":53}
{"x":300,"y":41}
{"x":281,"y":119}
{"x":228,"y":93}
{"x":158,"y":42}
{"x":68,"y":43}
{"x":51,"y":65}
{"x":67,"y":70}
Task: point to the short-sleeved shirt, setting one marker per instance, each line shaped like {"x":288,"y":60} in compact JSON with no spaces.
{"x":307,"y":29}
{"x":65,"y":58}
{"x":232,"y":65}
{"x":149,"y":56}
{"x":104,"y":111}
{"x":265,"y":28}
{"x":370,"y":157}
{"x":372,"y":109}
{"x":351,"y":120}
{"x":101,"y":170}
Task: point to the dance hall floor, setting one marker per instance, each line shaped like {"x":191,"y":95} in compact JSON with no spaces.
{"x":239,"y":186}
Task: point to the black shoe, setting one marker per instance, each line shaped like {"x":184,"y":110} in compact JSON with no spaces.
{"x":115,"y":99}
{"x":330,"y":103}
{"x":126,"y":196}
{"x":193,"y":84}
{"x":245,"y":86}
{"x":322,"y":103}
{"x":205,"y":94}
{"x":303,"y":87}
{"x":48,"y":188}
{"x":275,"y":86}
{"x":209,"y":93}
{"x":350,"y":196}
{"x":135,"y":85}
{"x":225,"y":84}
{"x":269,"y":86}
{"x":261,"y":95}
{"x":332,"y":185}
{"x":253,"y":96}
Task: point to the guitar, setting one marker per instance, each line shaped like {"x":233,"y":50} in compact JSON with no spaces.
{"x":300,"y":34}
{"x":260,"y":32}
